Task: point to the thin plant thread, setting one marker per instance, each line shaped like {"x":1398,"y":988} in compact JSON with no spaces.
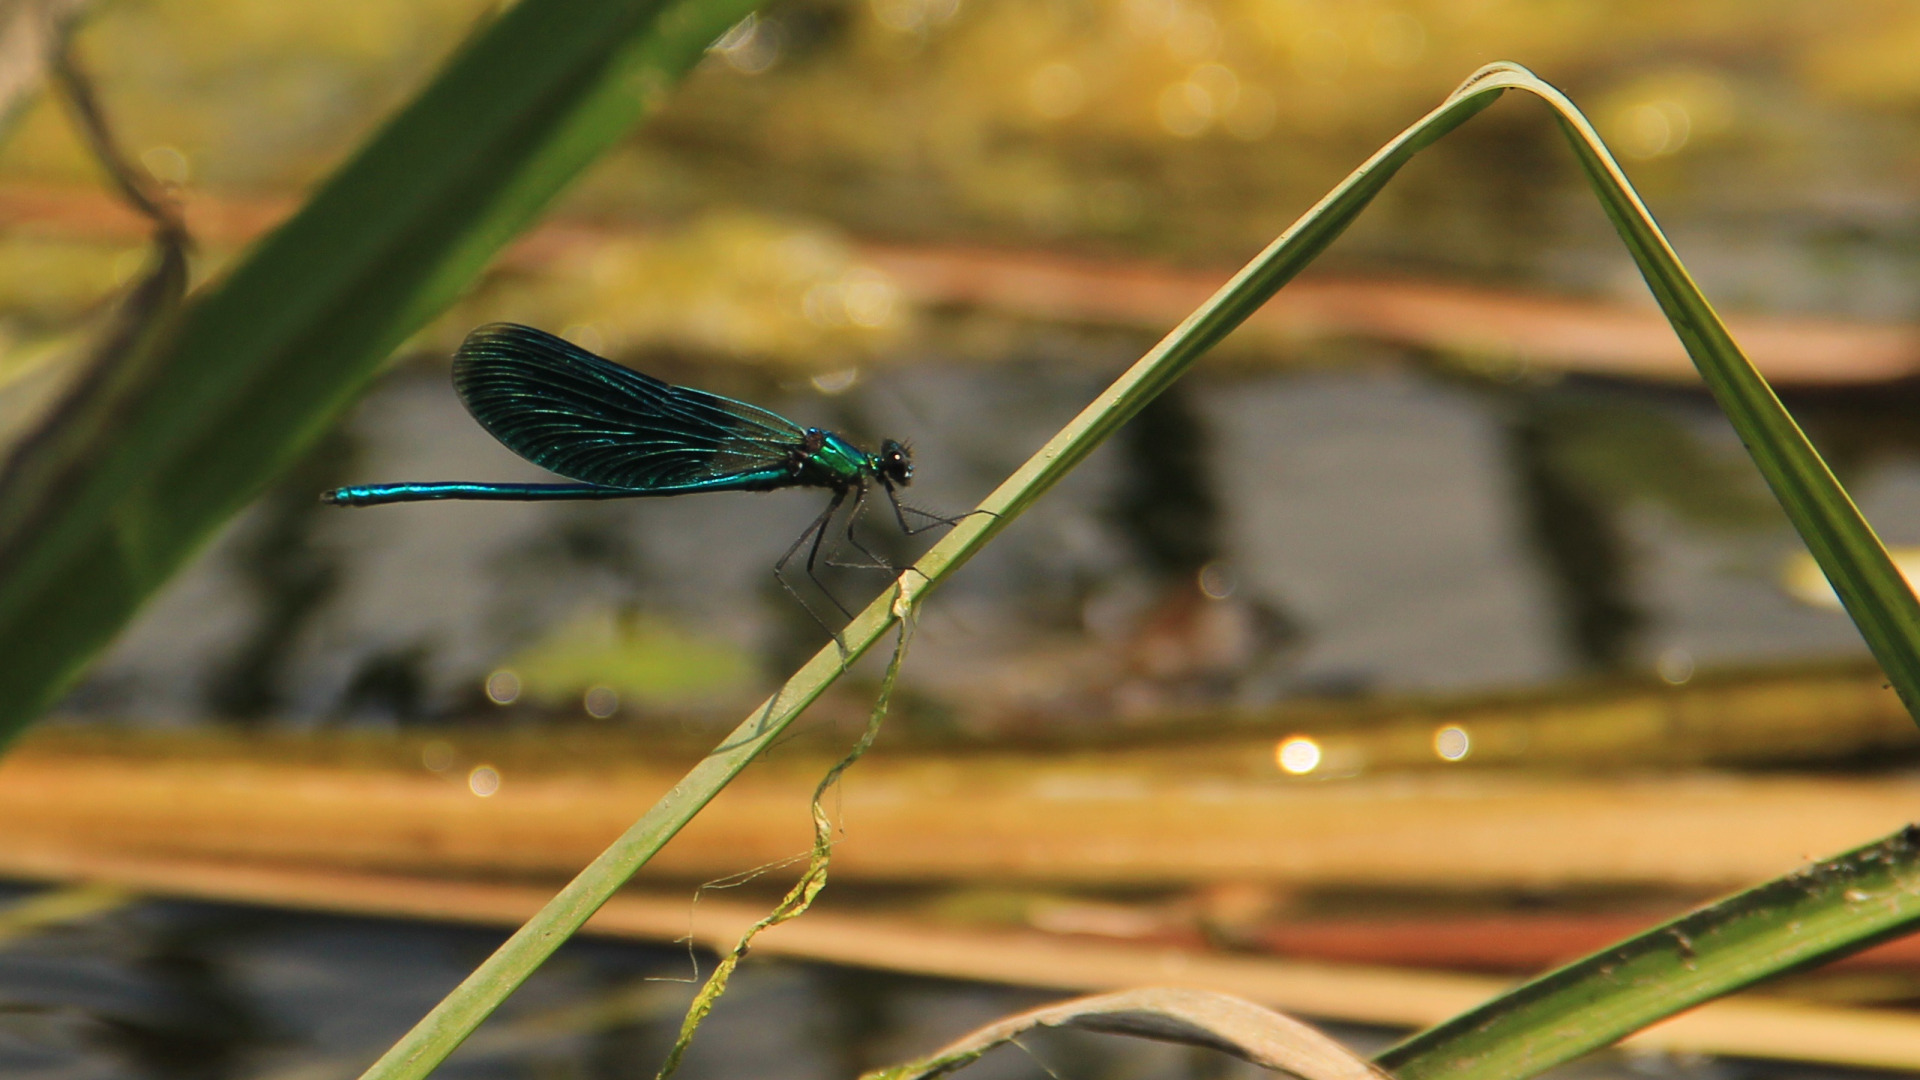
{"x":1033,"y":1057}
{"x":731,"y":881}
{"x":800,"y":897}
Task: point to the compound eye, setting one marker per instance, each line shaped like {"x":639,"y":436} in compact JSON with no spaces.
{"x":895,"y":462}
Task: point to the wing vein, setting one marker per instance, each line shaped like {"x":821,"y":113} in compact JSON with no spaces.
{"x":589,"y":419}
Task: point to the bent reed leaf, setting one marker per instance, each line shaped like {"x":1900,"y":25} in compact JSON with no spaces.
{"x":1216,"y":1021}
{"x":1872,"y":589}
{"x":1817,"y":914}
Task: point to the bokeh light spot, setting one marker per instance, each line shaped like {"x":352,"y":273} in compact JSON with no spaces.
{"x":587,"y":336}
{"x":1185,"y":109}
{"x":1216,"y":580}
{"x":602,"y":702}
{"x":484,"y":781}
{"x":167,"y":164}
{"x":914,"y":16}
{"x":868,"y":298}
{"x":1192,"y":34}
{"x":1675,"y":666}
{"x":1222,"y":86}
{"x":503,"y":687}
{"x":836,"y":382}
{"x":1297,"y":755}
{"x":751,"y":47}
{"x":1654,"y":129}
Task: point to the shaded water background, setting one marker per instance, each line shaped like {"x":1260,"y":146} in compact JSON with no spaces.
{"x":178,"y":990}
{"x":1389,"y":525}
{"x":1378,"y":526}
{"x":1382,"y":526}
{"x":1386,"y":526}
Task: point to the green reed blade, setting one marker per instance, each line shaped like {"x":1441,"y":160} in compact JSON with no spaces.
{"x":421,"y":1049}
{"x":1803,"y":918}
{"x":1816,"y":914}
{"x":260,"y":362}
{"x":1242,"y":295}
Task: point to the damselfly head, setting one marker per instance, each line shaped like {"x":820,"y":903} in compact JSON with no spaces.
{"x":894,"y":462}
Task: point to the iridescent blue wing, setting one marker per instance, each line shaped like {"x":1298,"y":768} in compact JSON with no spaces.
{"x":588,"y":419}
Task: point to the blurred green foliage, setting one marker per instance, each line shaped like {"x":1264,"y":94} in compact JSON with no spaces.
{"x":643,"y":661}
{"x":176,"y":429}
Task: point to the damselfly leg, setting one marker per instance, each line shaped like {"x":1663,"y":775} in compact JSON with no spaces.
{"x":813,"y":539}
{"x":875,"y":560}
{"x":810,"y":539}
{"x":933,"y":520}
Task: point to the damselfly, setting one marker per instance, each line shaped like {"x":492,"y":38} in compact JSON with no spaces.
{"x":624,"y":435}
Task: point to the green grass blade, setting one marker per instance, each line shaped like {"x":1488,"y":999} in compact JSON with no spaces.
{"x":450,"y":1022}
{"x":1816,"y":914}
{"x":91,"y":522}
{"x":1804,"y":918}
{"x":1872,"y":589}
{"x":475,"y":998}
